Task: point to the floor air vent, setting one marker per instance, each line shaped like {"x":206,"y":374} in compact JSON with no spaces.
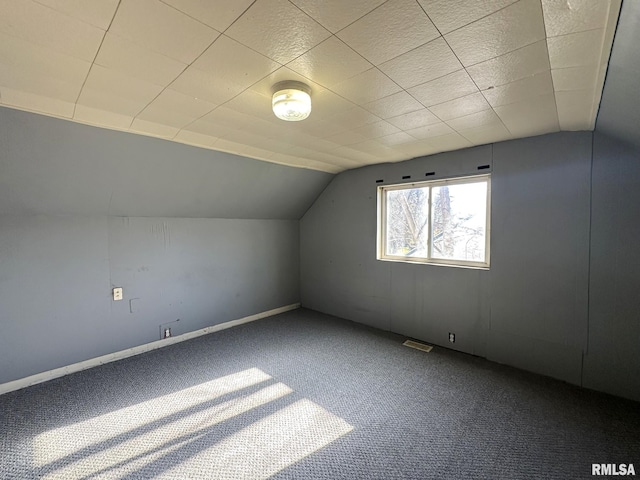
{"x":417,"y":345}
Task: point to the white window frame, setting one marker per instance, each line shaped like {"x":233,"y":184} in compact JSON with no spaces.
{"x":382,"y":223}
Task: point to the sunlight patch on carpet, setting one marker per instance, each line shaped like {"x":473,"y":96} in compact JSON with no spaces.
{"x":181,"y":435}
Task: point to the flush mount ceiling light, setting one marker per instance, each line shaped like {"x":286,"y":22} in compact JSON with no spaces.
{"x":291,"y":101}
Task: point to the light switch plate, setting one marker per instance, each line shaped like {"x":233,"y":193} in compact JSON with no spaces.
{"x":117,"y":293}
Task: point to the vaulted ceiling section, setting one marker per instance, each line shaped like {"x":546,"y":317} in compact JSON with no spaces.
{"x":390,"y":80}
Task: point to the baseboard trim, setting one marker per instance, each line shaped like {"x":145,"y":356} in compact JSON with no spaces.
{"x":130,"y":352}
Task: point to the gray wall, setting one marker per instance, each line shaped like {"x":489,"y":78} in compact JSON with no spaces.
{"x":611,"y":362}
{"x":619,"y":112}
{"x":54,"y":167}
{"x":56,"y":275}
{"x":532,"y":308}
{"x":189,"y":234}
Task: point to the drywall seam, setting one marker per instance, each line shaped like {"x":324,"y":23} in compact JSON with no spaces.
{"x":130,"y":352}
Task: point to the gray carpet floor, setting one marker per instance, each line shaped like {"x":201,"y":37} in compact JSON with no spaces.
{"x":304,"y":395}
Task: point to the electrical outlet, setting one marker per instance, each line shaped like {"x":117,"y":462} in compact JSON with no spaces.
{"x":452,"y":337}
{"x":117,"y":293}
{"x":165,"y":329}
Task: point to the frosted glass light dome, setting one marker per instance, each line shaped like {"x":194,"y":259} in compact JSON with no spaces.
{"x":291,"y":101}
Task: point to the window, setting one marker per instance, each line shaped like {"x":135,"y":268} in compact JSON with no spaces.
{"x":442,"y":222}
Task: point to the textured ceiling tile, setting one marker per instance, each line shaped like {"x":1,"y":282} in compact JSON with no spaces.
{"x":360,"y":158}
{"x":322,"y":128}
{"x":329,"y":63}
{"x":147,"y":22}
{"x":326,"y":104}
{"x":273,"y":129}
{"x":254,"y":140}
{"x":319,"y":144}
{"x":533,"y":116}
{"x":277,"y":29}
{"x":46,"y":27}
{"x":35,"y":103}
{"x":451,"y":141}
{"x":377,"y":129}
{"x":175,"y":109}
{"x":39,"y":84}
{"x":152,"y":128}
{"x":575,"y":78}
{"x":396,"y":139}
{"x":418,"y":148}
{"x":353,"y":118}
{"x":285,"y":159}
{"x":211,"y":129}
{"x":487,"y":134}
{"x":430,"y":61}
{"x":398,"y":155}
{"x":485,"y":118}
{"x":508,"y":29}
{"x":334,"y":15}
{"x":561,"y":18}
{"x":142,"y":80}
{"x":428,"y":131}
{"x":331,"y":158}
{"x":535,"y":85}
{"x":327,"y":167}
{"x":228,"y":117}
{"x":196,"y":139}
{"x":233,"y":64}
{"x":127,"y":57}
{"x":513,"y":66}
{"x":460,"y":107}
{"x":113,"y":91}
{"x":98,"y":13}
{"x":109,"y":102}
{"x":243,"y":149}
{"x":576,"y":49}
{"x":375,"y":148}
{"x":199,"y":84}
{"x":237,"y":148}
{"x":576,"y":109}
{"x":455,"y":85}
{"x":415,"y":119}
{"x":37,"y":69}
{"x":366,"y":87}
{"x":102,"y":118}
{"x":394,"y":105}
{"x":450,"y":15}
{"x":252,"y":103}
{"x":347,"y":138}
{"x":218,"y":14}
{"x":390,"y":30}
{"x":534,"y":128}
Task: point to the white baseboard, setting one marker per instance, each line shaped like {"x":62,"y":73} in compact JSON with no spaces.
{"x":147,"y":347}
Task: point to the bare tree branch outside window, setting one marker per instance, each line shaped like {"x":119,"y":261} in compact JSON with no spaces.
{"x":454,"y":228}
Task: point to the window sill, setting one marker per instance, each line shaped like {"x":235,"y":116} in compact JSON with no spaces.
{"x":437,"y":264}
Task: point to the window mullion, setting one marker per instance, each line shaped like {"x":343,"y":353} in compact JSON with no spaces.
{"x":429,"y":226}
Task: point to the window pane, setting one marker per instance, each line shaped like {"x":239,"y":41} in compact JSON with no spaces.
{"x":407,"y":222}
{"x":459,"y":221}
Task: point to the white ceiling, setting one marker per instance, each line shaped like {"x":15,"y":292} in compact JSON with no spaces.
{"x":391,"y":80}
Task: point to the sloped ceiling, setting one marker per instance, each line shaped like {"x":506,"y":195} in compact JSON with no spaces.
{"x":50,"y":166}
{"x":620,"y":107}
{"x":390,"y":80}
